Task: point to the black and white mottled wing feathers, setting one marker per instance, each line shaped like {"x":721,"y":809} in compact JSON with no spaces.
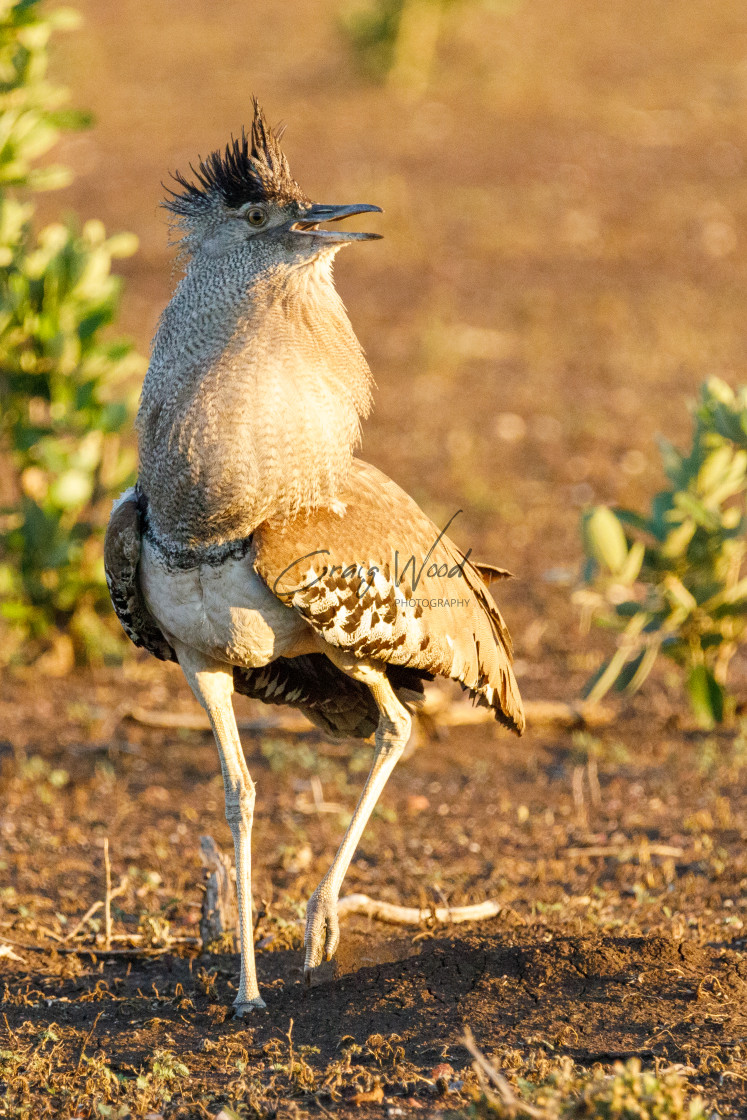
{"x":376,"y":578}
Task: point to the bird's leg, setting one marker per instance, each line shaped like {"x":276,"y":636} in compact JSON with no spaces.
{"x":392,"y":733}
{"x":212,"y":683}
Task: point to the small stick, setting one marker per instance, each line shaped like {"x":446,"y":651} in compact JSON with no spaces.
{"x":595,"y":791}
{"x":49,"y":932}
{"x":413,"y":915}
{"x":107,"y":896}
{"x":88,"y":914}
{"x":320,"y":805}
{"x":664,"y":850}
{"x":6,"y":951}
{"x":406,"y":915}
{"x":87,"y":1039}
{"x":444,"y":713}
{"x":110,"y":895}
{"x":458,"y":713}
{"x":218,"y":915}
{"x":508,"y":1098}
{"x":94,"y":909}
{"x":198,"y":721}
{"x":320,"y":1106}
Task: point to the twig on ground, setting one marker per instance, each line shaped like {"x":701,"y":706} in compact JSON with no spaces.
{"x":577,"y":787}
{"x":49,"y":932}
{"x":110,"y":894}
{"x":219,"y":915}
{"x":508,"y":1098}
{"x":198,"y":721}
{"x":220,"y":894}
{"x":413,"y":915}
{"x":595,"y":790}
{"x":456,"y":713}
{"x":591,"y":1056}
{"x":6,"y":951}
{"x":107,"y":896}
{"x":87,"y":1039}
{"x":320,"y":805}
{"x":620,"y":851}
{"x":438,"y":708}
{"x":405,"y":915}
{"x":88,"y":914}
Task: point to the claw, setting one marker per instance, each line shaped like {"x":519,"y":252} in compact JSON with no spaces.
{"x":322,"y":931}
{"x":245,"y":1008}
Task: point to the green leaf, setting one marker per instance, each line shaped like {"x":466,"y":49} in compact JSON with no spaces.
{"x":677,"y":541}
{"x":607,"y":675}
{"x":632,"y":567}
{"x":604,"y":538}
{"x":689,"y":504}
{"x":51,"y":178}
{"x":714,"y":469}
{"x":671,"y":460}
{"x":661,"y":507}
{"x":122,"y":244}
{"x":643,"y":666}
{"x":706,"y":696}
{"x":679,"y":594}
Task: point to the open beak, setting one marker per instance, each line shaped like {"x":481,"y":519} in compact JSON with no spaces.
{"x":309,"y":222}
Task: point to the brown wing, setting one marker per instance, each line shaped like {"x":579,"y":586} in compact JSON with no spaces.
{"x":311,"y":683}
{"x":378,"y":579}
{"x":121,"y":558}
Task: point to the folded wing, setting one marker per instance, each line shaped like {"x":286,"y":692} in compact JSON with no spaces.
{"x":376,"y":578}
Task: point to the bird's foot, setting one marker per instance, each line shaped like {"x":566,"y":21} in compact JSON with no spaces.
{"x":245,"y":1007}
{"x":322,"y":929}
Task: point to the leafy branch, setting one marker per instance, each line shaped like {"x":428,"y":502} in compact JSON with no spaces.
{"x":63,"y":381}
{"x":672,"y":582}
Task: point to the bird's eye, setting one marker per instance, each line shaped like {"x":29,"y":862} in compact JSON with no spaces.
{"x":256,"y":217}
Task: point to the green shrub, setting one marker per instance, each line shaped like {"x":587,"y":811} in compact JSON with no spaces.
{"x":63,"y":383}
{"x":671,"y":582}
{"x":396,"y":41}
{"x":372,"y":27}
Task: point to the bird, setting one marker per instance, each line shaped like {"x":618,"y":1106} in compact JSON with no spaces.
{"x":256,"y":550}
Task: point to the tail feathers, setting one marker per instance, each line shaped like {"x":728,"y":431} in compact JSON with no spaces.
{"x":486,"y":658}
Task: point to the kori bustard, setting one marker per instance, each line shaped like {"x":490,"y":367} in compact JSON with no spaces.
{"x":255,"y":549}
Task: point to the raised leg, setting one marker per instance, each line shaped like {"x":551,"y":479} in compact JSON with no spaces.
{"x":322,"y":926}
{"x":212,"y":684}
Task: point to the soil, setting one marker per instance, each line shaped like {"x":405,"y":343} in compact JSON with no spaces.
{"x":563,"y":265}
{"x":620,"y":872}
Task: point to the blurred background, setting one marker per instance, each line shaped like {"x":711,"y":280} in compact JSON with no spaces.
{"x":564,"y":192}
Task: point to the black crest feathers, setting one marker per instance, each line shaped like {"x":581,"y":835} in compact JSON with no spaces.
{"x":251,"y":169}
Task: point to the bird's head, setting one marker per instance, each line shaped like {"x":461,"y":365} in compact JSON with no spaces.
{"x":246,"y":196}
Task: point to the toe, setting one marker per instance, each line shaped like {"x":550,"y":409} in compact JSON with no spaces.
{"x":332,"y":939}
{"x":246,"y":1007}
{"x":314,"y":948}
{"x":322,"y":932}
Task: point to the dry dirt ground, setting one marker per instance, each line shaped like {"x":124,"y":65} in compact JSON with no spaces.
{"x":617,"y":858}
{"x":563,"y":263}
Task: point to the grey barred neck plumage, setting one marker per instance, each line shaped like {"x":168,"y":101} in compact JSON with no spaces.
{"x":252,"y":403}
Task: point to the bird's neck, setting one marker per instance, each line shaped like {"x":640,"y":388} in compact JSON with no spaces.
{"x":252,"y":403}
